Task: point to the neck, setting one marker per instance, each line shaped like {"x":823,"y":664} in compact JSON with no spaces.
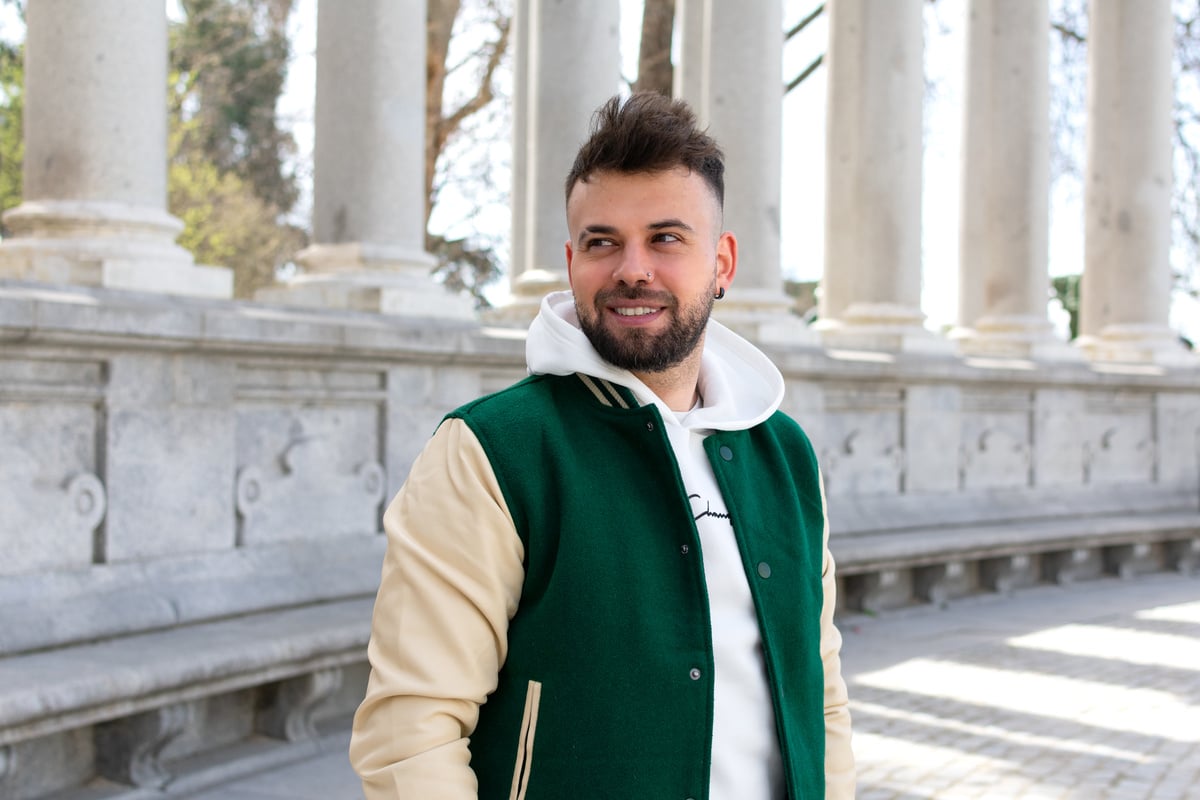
{"x":677,"y":386}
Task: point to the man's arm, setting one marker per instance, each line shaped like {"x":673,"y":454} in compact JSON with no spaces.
{"x":451,"y":582}
{"x":839,"y":758}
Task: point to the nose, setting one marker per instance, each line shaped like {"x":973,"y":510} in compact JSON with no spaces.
{"x":634,"y":266}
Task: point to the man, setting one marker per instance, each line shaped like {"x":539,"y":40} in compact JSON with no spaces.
{"x":612,"y":580}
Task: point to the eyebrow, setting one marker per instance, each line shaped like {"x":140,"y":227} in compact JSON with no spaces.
{"x":591,"y":229}
{"x":654,"y":226}
{"x":670,"y":223}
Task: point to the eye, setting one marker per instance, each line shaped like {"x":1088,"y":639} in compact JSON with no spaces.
{"x":667,"y":238}
{"x":598,"y":241}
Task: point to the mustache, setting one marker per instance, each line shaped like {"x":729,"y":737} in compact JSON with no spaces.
{"x":635,"y":293}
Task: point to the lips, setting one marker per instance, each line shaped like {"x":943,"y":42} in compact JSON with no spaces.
{"x":636,"y":311}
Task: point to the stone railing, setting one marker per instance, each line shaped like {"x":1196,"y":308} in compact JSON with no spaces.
{"x":190,"y":494}
{"x":948,"y":476}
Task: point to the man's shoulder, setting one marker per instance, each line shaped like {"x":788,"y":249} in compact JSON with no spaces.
{"x":527,"y":398}
{"x":783,"y":428}
{"x":781,"y":422}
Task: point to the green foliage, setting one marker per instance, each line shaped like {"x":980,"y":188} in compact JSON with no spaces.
{"x":229,"y":62}
{"x":12,"y":142}
{"x":225,"y":222}
{"x":1066,"y":289}
{"x":228,"y":178}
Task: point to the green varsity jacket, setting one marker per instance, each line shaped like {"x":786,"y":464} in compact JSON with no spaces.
{"x":607,"y":688}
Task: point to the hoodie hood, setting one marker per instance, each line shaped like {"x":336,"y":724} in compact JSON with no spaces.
{"x":740,"y":385}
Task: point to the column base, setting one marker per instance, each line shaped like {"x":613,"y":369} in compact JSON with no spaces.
{"x":1155,"y":345}
{"x":109,"y":245}
{"x":763,"y":316}
{"x":885,"y":327}
{"x":1022,"y":337}
{"x":365,"y":277}
{"x":528,"y":290}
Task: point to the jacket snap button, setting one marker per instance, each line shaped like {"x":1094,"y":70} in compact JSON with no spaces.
{"x":764,"y":569}
{"x":649,"y":426}
{"x":684,"y":549}
{"x":726,"y":453}
{"x":694,"y":674}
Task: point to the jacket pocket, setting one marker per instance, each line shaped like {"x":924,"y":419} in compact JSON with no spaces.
{"x":524,"y":760}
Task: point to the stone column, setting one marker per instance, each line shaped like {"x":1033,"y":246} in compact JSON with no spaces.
{"x":1004,"y":228}
{"x":731,"y":72}
{"x":369,"y":165}
{"x":871,"y":289}
{"x":570,"y":65}
{"x":1126,"y":290}
{"x":95,"y":170}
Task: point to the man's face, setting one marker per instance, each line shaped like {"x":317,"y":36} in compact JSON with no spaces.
{"x":645,"y":258}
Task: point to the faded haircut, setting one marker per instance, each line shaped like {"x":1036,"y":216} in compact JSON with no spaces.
{"x":648,"y":132}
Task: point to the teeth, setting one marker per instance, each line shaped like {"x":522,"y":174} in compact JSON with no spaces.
{"x":635,"y":312}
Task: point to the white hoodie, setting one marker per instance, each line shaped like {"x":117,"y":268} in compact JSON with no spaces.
{"x":739,"y":388}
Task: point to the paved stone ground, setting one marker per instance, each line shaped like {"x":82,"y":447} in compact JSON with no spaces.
{"x":1087,"y":692}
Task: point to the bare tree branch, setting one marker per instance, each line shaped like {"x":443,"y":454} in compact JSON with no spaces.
{"x":804,"y":23}
{"x":486,"y":91}
{"x":796,"y":81}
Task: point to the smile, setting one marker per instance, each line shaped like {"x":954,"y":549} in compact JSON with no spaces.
{"x":638,"y":311}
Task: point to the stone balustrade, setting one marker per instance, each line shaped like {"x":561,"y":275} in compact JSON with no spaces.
{"x":181,"y":475}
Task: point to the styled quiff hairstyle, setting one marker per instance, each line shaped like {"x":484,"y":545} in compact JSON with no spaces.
{"x":648,"y":133}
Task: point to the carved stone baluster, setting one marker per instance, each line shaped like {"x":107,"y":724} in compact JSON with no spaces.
{"x":1006,"y":574}
{"x":290,"y":717}
{"x":129,"y":750}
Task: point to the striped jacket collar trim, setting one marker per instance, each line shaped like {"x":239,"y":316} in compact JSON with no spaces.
{"x":608,"y":393}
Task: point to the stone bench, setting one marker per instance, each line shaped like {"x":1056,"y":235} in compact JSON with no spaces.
{"x":888,"y":569}
{"x":138,"y":694}
{"x":218,"y":673}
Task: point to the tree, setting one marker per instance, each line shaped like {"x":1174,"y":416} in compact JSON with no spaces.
{"x":460,"y":109}
{"x":228,"y":175}
{"x":225,"y":222}
{"x":229,"y":62}
{"x":12,"y":106}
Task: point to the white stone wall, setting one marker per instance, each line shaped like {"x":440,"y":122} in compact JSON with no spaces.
{"x":136,"y":430}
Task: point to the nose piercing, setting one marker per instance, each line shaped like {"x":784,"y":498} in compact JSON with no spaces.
{"x":649,"y":276}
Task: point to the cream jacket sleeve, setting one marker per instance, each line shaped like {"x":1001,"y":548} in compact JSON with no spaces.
{"x":451,"y":581}
{"x":839,"y":758}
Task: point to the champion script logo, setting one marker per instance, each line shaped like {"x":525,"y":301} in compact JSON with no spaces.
{"x":707,"y":512}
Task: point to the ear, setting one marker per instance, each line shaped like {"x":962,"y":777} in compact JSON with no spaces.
{"x":570,"y":255}
{"x":726,"y":259}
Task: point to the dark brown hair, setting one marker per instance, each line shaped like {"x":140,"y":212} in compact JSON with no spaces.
{"x":648,"y":133}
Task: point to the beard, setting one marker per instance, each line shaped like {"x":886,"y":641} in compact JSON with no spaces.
{"x":639,"y":350}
